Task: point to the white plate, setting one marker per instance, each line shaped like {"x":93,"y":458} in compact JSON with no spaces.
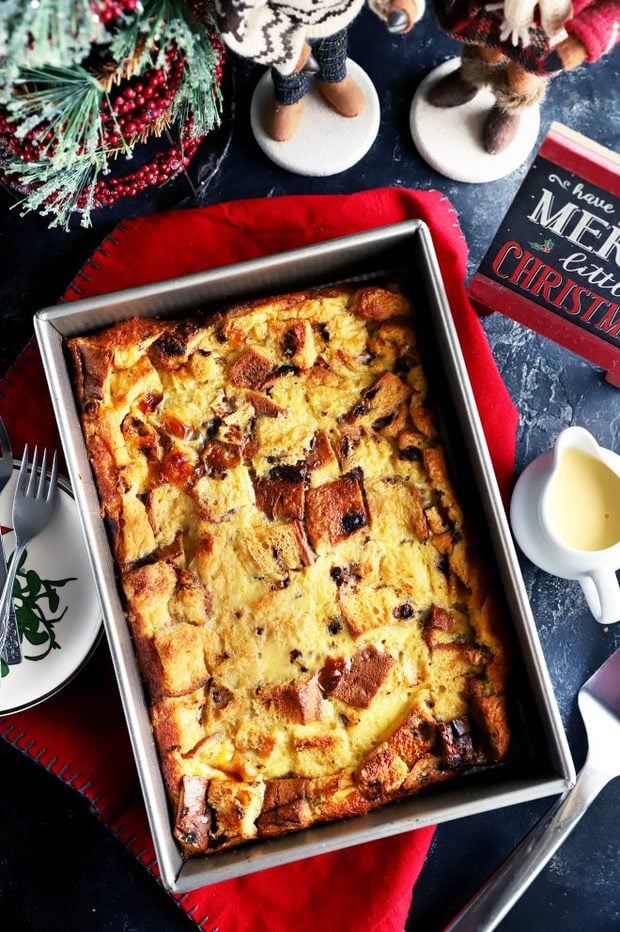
{"x":59,"y":622}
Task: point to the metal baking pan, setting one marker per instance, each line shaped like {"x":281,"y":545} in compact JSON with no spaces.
{"x":406,"y":249}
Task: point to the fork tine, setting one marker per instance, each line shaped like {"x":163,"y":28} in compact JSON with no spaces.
{"x":51,"y":492}
{"x":20,"y":488}
{"x":33,"y":474}
{"x":5,"y":446}
{"x":42,"y":476}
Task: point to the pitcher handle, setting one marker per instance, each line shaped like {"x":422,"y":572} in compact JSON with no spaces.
{"x":602,"y":592}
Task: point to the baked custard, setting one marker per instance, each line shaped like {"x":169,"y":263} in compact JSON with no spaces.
{"x":309,"y":611}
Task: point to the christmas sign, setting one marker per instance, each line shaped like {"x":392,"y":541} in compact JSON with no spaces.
{"x":554,"y":264}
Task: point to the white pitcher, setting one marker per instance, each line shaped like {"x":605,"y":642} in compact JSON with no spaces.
{"x":565,"y":514}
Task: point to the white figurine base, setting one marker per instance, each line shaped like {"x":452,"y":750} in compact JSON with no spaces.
{"x":324,"y":143}
{"x":450,"y":138}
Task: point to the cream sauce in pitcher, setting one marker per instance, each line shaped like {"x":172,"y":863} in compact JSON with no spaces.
{"x":584,"y":501}
{"x":565,"y":514}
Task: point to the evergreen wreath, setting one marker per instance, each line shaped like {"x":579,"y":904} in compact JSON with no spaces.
{"x":82,"y":82}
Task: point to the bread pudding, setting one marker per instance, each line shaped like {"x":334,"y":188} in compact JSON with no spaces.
{"x":308,"y":606}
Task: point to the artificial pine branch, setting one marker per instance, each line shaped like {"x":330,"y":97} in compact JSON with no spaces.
{"x":45,"y":33}
{"x":62,"y":101}
{"x":59,"y":63}
{"x":57,"y":194}
{"x":201,"y":60}
{"x":108,"y":75}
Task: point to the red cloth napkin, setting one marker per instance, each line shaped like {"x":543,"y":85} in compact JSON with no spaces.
{"x":80,"y":735}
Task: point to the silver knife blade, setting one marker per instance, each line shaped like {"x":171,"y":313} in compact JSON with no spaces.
{"x":12,"y":652}
{"x":12,"y":649}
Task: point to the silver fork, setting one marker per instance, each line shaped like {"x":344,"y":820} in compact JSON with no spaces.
{"x":33,"y":506}
{"x":599,"y":704}
{"x":6,"y":471}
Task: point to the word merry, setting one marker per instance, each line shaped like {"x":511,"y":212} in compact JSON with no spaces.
{"x":576,"y":224}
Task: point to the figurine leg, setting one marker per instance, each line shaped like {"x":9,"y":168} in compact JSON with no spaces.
{"x":337,"y":88}
{"x":479,"y":66}
{"x":515,"y":90}
{"x":287,"y":105}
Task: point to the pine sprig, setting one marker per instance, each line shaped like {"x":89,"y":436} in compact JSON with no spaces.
{"x":52,"y":94}
{"x":63,"y":102}
{"x":46,"y":33}
{"x":55,"y":192}
{"x":140,"y":46}
{"x":201,"y":60}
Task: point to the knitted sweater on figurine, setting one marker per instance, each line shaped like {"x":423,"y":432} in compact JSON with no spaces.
{"x":273,"y":33}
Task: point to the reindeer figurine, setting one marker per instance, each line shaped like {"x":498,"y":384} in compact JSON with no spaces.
{"x":515,"y":47}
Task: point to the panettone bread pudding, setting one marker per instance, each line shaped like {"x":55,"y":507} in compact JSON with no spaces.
{"x":314,"y":627}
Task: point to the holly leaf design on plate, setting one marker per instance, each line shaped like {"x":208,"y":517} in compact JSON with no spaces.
{"x":37,"y":603}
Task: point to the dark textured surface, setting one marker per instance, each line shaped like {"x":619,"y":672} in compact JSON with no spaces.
{"x":59,"y":868}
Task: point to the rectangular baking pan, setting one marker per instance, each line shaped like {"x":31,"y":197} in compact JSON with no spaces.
{"x":405,"y":249}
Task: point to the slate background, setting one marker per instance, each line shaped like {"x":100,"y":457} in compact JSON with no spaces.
{"x":60,"y":869}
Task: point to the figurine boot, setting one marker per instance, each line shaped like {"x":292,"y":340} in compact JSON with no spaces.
{"x":283,"y":119}
{"x":515,"y":90}
{"x":452,"y":91}
{"x":480,"y":65}
{"x":500,"y":128}
{"x":345,"y":97}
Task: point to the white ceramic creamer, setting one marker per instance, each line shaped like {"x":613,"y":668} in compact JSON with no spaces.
{"x":565,"y":513}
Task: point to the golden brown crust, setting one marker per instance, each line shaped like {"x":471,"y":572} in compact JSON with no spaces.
{"x":321,"y":454}
{"x":285,"y":808}
{"x":308,"y":606}
{"x":193,"y":818}
{"x":250,"y":369}
{"x":379,"y":304}
{"x":379,"y":404}
{"x":263,"y":405}
{"x":281,"y":493}
{"x":335,"y":511}
{"x":359,"y":678}
{"x":298,"y":701}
